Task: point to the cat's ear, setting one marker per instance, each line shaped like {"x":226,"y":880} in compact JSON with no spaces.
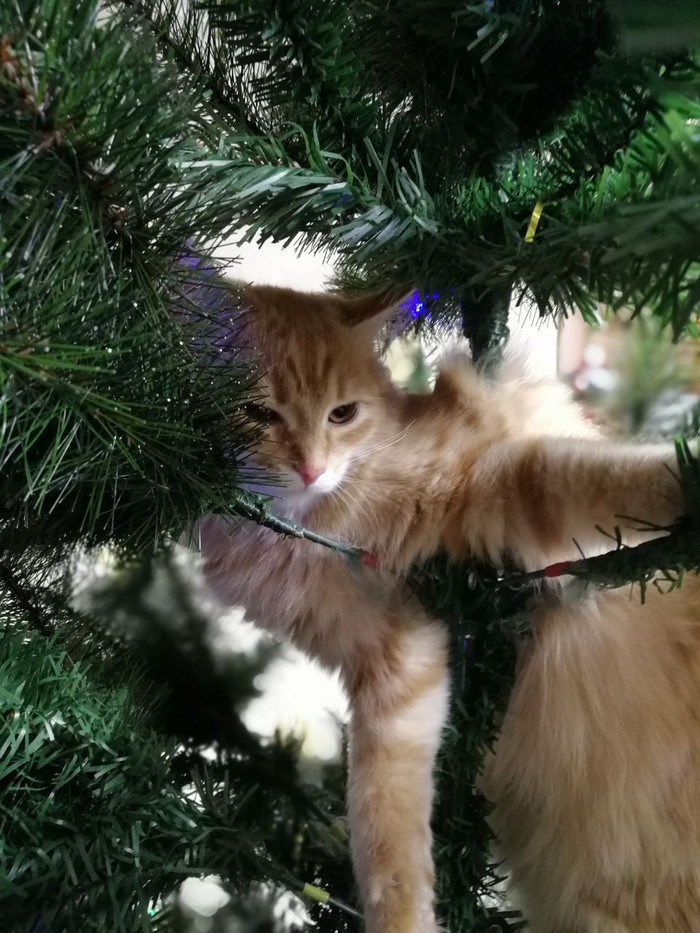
{"x":373,"y":309}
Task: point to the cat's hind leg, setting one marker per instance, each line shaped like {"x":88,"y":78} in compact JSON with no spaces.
{"x":398,"y":694}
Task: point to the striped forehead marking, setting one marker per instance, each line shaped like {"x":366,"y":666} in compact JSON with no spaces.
{"x":306,"y":369}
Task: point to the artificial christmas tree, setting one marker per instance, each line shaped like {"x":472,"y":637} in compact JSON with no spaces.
{"x":482,"y":152}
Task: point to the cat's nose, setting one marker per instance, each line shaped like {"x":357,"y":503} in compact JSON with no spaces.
{"x":310,"y":472}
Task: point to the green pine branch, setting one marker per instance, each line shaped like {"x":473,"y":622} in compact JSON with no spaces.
{"x":114,"y":420}
{"x":387,"y":202}
{"x":102,"y":818}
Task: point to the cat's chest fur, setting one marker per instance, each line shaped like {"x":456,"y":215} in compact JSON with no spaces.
{"x":298,"y":590}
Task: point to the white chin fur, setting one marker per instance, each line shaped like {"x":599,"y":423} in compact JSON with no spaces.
{"x":327,"y":482}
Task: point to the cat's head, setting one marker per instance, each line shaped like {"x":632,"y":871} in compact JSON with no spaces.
{"x":325,"y":393}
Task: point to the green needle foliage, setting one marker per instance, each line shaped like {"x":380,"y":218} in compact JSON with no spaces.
{"x":119,"y":424}
{"x":485,"y":622}
{"x":417,"y":137}
{"x":109,"y":420}
{"x":125,"y":767}
{"x":102,"y":816}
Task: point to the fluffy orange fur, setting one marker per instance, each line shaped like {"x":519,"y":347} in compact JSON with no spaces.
{"x":595,"y":777}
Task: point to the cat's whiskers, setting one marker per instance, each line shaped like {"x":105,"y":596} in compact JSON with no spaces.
{"x":381,"y":445}
{"x":356,"y":505}
{"x":344,"y":493}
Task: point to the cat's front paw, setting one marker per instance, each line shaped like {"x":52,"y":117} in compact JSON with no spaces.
{"x":397,"y":904}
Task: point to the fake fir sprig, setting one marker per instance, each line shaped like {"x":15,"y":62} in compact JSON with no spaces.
{"x":257,"y":509}
{"x":112,"y":419}
{"x":426,"y":165}
{"x":103,"y":817}
{"x":104,"y":724}
{"x":670,"y":555}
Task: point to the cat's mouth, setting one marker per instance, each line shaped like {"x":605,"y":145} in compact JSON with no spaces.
{"x":295,"y":500}
{"x":326,"y":482}
{"x":289,"y":486}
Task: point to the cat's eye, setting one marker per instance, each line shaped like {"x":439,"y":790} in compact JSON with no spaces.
{"x":261,"y":413}
{"x":343,"y":413}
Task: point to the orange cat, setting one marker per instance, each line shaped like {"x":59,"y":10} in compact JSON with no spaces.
{"x":596,"y":776}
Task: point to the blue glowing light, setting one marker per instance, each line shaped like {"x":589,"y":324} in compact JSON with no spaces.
{"x":419,"y":305}
{"x":414,"y":305}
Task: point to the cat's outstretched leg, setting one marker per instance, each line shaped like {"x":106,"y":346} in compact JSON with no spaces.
{"x":398,"y":691}
{"x":533,"y":499}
